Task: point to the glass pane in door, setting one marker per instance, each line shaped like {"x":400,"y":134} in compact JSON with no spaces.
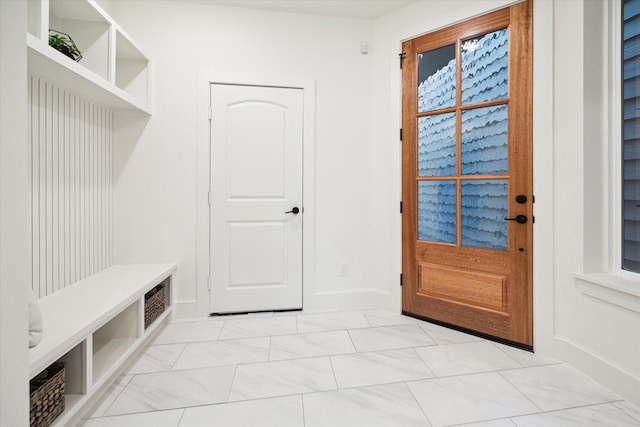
{"x":437,"y":211}
{"x":485,"y":67}
{"x":437,"y":78}
{"x":437,"y":145}
{"x":484,"y":209}
{"x":484,"y":141}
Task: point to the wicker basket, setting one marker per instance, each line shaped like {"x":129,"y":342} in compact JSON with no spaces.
{"x":47,"y":395}
{"x":153,"y":304}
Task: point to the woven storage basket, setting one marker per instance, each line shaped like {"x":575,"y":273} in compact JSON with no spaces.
{"x":153,"y":304}
{"x":47,"y":395}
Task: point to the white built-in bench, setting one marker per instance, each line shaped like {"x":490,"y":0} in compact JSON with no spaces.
{"x":97,"y":326}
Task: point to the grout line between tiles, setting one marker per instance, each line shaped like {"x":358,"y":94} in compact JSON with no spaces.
{"x":516,"y":387}
{"x":417,"y":402}
{"x":184,"y":410}
{"x":175,"y":362}
{"x":116,"y":396}
{"x":335,"y":378}
{"x":224,"y":324}
{"x":304,"y":421}
{"x":233,"y":380}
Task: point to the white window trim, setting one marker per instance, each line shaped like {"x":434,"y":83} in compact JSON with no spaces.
{"x":615,"y":285}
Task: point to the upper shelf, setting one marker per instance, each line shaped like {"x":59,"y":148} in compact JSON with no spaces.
{"x":112,"y":71}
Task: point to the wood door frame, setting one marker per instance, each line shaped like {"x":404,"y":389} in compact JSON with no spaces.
{"x":491,"y":20}
{"x":198,"y":305}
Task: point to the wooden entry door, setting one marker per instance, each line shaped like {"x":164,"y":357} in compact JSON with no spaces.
{"x":256,"y":198}
{"x":467,"y":175}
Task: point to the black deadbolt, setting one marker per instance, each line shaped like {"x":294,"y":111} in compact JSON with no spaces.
{"x":520,"y":219}
{"x":521,"y":198}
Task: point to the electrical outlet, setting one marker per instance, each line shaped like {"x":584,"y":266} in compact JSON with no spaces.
{"x":344,"y":269}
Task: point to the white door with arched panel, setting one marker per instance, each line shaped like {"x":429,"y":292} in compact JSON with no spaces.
{"x":256,"y":198}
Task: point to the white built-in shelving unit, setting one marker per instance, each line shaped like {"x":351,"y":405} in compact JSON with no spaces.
{"x":113,"y":71}
{"x":95,"y":325}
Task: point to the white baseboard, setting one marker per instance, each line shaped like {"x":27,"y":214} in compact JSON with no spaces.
{"x":616,"y":378}
{"x":350,"y":299}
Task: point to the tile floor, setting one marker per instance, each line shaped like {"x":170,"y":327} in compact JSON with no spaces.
{"x":347,"y":368}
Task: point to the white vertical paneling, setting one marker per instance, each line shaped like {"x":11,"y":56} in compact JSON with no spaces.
{"x":71,"y":185}
{"x":42,"y":187}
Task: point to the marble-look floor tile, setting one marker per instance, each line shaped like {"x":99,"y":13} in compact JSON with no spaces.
{"x":505,"y":422}
{"x":389,"y":337}
{"x":310,"y":345}
{"x":183,"y":332}
{"x":630,"y":409}
{"x":282,"y":378}
{"x":466,"y":358}
{"x":273,"y":412}
{"x":177,"y":389}
{"x":558,"y":386}
{"x":379,"y":367}
{"x":222,"y":353}
{"x":605,"y":415}
{"x":389,"y":405}
{"x":331,"y":321}
{"x":445,"y":336}
{"x":147,"y":419}
{"x":156,"y":358}
{"x":109,"y":397}
{"x":258,"y":327}
{"x":470,"y":398}
{"x":379,"y":317}
{"x":525,"y":358}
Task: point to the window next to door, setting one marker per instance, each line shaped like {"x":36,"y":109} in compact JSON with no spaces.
{"x":631,"y":135}
{"x":611,"y":269}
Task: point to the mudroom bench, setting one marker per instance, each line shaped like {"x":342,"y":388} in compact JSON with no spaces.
{"x":96,"y":326}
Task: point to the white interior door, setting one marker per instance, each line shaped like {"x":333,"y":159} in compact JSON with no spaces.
{"x":256,"y":183}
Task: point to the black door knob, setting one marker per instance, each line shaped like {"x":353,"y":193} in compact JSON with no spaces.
{"x":294,"y":211}
{"x":520,"y":219}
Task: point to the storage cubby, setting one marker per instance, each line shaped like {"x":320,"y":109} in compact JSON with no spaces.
{"x":75,"y":378}
{"x":113,"y":70}
{"x":132,"y":68}
{"x":156,"y":302}
{"x":113,"y":340}
{"x":88,"y":29}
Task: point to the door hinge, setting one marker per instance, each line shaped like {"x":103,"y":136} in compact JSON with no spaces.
{"x":209,"y":198}
{"x":210,"y":113}
{"x":400,"y":206}
{"x":400,"y":279}
{"x":400,"y":134}
{"x":402,"y":56}
{"x":208,"y":283}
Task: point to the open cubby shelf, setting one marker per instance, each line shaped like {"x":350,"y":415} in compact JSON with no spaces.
{"x":96,"y":326}
{"x":113,"y":70}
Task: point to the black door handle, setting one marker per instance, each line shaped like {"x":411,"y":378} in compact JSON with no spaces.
{"x":294,"y":211}
{"x":520,"y":219}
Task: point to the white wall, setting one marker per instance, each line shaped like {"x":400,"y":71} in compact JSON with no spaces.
{"x":156,"y":176}
{"x":15,"y":265}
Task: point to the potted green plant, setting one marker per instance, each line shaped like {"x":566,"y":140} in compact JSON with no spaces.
{"x":63,"y":43}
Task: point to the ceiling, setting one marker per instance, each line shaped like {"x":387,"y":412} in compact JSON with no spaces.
{"x":366,"y":9}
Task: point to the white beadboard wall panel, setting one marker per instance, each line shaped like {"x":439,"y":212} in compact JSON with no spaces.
{"x":72,"y":157}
